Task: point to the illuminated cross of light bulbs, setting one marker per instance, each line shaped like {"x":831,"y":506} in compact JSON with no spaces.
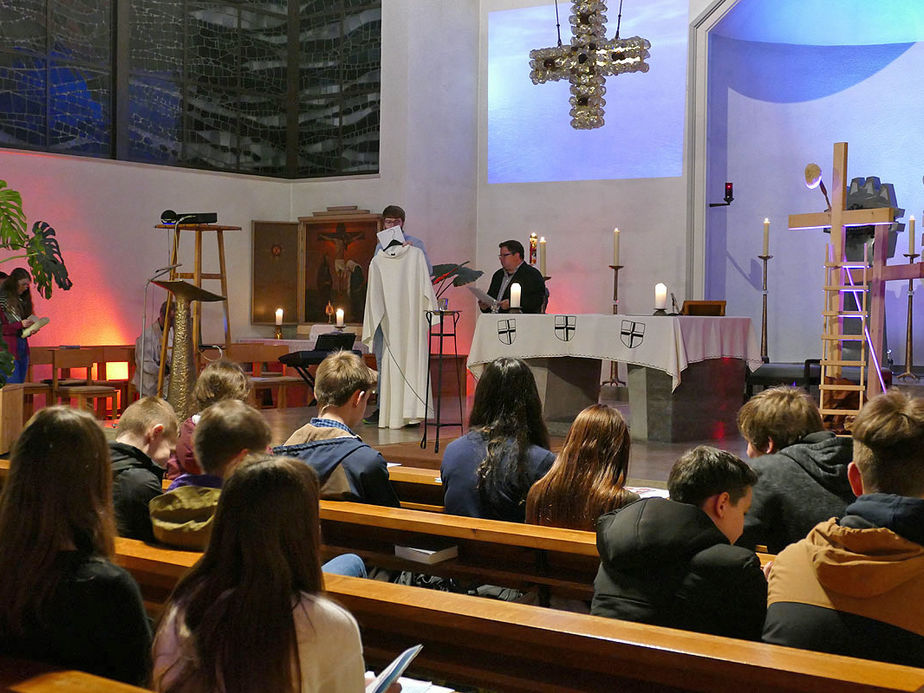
{"x":587,"y":61}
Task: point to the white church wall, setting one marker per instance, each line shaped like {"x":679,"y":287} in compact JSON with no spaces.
{"x":104,"y":213}
{"x":428,"y":135}
{"x":577,"y":216}
{"x":770,"y":123}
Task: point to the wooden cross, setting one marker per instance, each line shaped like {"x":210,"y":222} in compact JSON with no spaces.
{"x":587,"y":61}
{"x":839,"y":218}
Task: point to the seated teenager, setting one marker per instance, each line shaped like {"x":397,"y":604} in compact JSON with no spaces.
{"x":855,"y":585}
{"x":671,"y":562}
{"x":348,"y":468}
{"x":488,"y":472}
{"x":145,"y":437}
{"x":801,"y":468}
{"x":226,"y":433}
{"x":62,"y":600}
{"x":251,"y":615}
{"x":219,"y":381}
{"x":589,"y":476}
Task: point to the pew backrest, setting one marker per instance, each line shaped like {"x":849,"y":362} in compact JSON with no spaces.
{"x":517,"y":647}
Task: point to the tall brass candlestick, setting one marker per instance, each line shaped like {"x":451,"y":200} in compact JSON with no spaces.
{"x":909,"y":342}
{"x":763,"y":317}
{"x":614,"y":369}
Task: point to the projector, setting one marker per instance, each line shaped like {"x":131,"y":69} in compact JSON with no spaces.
{"x":168,"y":216}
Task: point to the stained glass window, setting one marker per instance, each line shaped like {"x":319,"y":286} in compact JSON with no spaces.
{"x":276,"y":88}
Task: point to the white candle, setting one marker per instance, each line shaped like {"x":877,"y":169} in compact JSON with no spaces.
{"x":279,"y":316}
{"x":911,"y":235}
{"x":616,"y":246}
{"x":660,"y":296}
{"x":766,"y":236}
{"x":340,"y":317}
{"x":542,"y":245}
{"x":515,"y":295}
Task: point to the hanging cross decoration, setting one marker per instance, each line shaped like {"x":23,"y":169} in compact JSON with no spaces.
{"x":587,"y":61}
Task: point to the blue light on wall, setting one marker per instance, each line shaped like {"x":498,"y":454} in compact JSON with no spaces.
{"x":824,"y":23}
{"x":529,"y":134}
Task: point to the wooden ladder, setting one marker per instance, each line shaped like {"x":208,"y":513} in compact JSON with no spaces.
{"x":843,"y":277}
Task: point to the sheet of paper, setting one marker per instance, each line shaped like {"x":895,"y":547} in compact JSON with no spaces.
{"x":482,"y":296}
{"x":386,"y":236}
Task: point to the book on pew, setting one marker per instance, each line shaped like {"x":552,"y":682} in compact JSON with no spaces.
{"x":393,"y":671}
{"x":426,"y":551}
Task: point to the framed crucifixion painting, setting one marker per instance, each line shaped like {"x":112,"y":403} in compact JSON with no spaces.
{"x":313,"y":267}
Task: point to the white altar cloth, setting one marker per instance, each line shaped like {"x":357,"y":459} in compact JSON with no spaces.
{"x":666,"y":343}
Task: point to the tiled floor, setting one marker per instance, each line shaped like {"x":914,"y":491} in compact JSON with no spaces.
{"x":649,"y":462}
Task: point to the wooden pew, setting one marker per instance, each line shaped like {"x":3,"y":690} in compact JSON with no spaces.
{"x":516,"y":647}
{"x":550,"y":559}
{"x":418,"y":489}
{"x":26,"y":676}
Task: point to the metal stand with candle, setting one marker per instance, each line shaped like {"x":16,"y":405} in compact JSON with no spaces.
{"x":765,"y":258}
{"x":909,"y":342}
{"x":614,"y":368}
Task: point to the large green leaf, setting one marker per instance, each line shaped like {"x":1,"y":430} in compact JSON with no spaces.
{"x":12,"y":218}
{"x":461,"y":275}
{"x":466,"y":275}
{"x":45,"y":260}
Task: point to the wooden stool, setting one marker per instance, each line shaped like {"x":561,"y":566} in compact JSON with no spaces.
{"x":197,"y":276}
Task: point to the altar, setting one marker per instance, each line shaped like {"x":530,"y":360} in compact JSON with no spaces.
{"x":686,"y":373}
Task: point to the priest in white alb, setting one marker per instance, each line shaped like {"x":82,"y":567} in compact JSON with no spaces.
{"x":398,"y":294}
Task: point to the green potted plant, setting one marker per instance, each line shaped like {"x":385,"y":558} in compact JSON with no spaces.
{"x":451,"y":274}
{"x":40,"y":250}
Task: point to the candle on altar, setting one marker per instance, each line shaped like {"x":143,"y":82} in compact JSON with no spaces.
{"x":660,"y":296}
{"x":340,"y":317}
{"x":616,"y":246}
{"x":533,"y":240}
{"x":279,"y":316}
{"x":911,"y":235}
{"x":542,"y":248}
{"x":515,"y":295}
{"x":766,"y":236}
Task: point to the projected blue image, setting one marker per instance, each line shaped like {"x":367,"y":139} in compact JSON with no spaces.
{"x":530,"y":138}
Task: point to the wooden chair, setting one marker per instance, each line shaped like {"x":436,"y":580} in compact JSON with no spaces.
{"x":38,"y":356}
{"x":85,"y":391}
{"x":261,"y":362}
{"x":117,"y":353}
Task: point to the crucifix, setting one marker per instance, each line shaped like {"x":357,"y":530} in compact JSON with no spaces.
{"x":839,"y":218}
{"x":588,"y":60}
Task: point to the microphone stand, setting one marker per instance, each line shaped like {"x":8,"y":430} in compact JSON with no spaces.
{"x":144,"y":319}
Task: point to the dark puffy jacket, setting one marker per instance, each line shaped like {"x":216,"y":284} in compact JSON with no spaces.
{"x":667,"y":564}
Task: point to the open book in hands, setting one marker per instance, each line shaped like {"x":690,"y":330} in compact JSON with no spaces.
{"x":38,"y":323}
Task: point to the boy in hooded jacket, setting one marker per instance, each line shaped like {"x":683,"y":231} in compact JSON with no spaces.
{"x":855,"y":585}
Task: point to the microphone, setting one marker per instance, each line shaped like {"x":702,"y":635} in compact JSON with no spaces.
{"x":168,"y":267}
{"x":674,"y":304}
